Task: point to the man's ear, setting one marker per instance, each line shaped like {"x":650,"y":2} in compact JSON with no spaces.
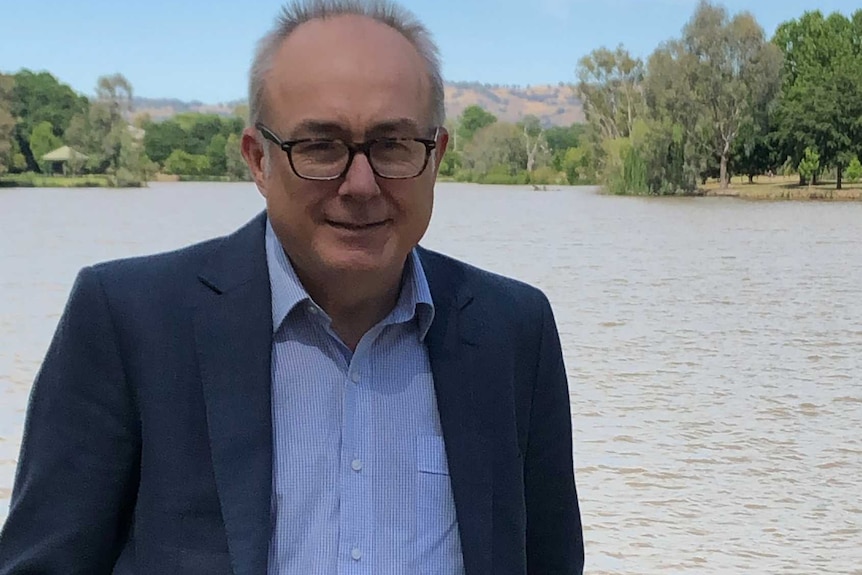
{"x":255,"y":157}
{"x":440,"y":149}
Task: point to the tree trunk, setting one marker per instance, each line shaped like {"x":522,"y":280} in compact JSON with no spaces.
{"x":840,"y":175}
{"x":750,"y":178}
{"x":722,"y":173}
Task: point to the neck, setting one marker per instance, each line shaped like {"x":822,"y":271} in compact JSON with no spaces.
{"x":354,"y":310}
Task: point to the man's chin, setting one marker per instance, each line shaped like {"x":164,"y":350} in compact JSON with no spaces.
{"x":356,"y":261}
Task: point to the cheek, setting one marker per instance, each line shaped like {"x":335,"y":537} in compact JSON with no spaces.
{"x":287,"y":203}
{"x":416,"y":206}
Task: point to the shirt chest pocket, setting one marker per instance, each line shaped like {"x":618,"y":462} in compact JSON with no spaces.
{"x":433,"y":488}
{"x":438,"y":547}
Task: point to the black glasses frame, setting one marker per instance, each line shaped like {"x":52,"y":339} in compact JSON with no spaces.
{"x":353,"y":149}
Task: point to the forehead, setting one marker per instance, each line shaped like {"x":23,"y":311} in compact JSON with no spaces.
{"x":350,"y":70}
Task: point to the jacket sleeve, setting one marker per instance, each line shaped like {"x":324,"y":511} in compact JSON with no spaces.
{"x":76,"y":479}
{"x":555,"y":544}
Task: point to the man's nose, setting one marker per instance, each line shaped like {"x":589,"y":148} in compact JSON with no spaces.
{"x":360,"y":180}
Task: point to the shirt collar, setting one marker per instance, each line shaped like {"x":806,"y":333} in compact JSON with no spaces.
{"x":414,"y":299}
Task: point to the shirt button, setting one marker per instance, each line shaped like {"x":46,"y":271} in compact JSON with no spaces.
{"x":356,"y":554}
{"x":312,"y":310}
{"x":355,"y":377}
{"x":356,"y":465}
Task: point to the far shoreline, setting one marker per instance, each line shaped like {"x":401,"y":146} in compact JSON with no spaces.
{"x":776,"y":189}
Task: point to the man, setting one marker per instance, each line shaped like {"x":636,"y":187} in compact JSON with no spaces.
{"x":313,"y":393}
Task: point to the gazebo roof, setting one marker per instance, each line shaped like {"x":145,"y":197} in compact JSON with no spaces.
{"x":63,"y":154}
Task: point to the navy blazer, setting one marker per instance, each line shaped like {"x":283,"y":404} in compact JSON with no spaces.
{"x":148,"y":440}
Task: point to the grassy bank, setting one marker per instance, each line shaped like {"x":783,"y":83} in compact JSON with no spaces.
{"x":784,"y":188}
{"x":40,"y":181}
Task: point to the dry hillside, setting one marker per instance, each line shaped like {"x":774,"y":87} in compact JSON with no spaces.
{"x":554,"y":105}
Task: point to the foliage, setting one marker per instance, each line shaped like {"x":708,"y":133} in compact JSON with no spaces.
{"x":535,"y":144}
{"x":181,"y":162}
{"x":235,"y":166}
{"x":451,"y":163}
{"x":610,"y":89}
{"x":503,"y":175}
{"x":561,"y":138}
{"x":546,"y":175}
{"x":854,"y":170}
{"x":576,"y":164}
{"x":496,"y":146}
{"x":821,"y":101}
{"x":162,"y":138}
{"x":38,"y":98}
{"x":7,"y":124}
{"x":473,"y":119}
{"x":809,"y":166}
{"x":196,"y":135}
{"x":217,"y":155}
{"x":626,"y":169}
{"x":42,"y":141}
{"x":34,"y":180}
{"x":134,"y":168}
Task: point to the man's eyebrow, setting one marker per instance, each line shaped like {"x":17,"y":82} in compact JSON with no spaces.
{"x":398,"y":126}
{"x":336,"y":130}
{"x":319,"y":129}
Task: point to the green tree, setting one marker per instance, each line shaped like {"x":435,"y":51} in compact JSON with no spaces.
{"x":42,"y":141}
{"x":182,"y":163}
{"x":809,"y":166}
{"x":577,"y":166}
{"x":609,"y":85}
{"x":7,"y":123}
{"x":200,"y":129}
{"x":233,"y":125}
{"x":108,"y":121}
{"x":498,"y":148}
{"x":40,"y":97}
{"x":821,"y":100}
{"x":854,"y":170}
{"x":561,"y":138}
{"x":732,"y":69}
{"x":235,"y":165}
{"x":673,"y":146}
{"x":162,"y":138}
{"x":216,"y":155}
{"x":134,"y":168}
{"x":473,"y":119}
{"x":535,"y":145}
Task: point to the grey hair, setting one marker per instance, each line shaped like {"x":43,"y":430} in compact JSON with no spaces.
{"x":386,"y":12}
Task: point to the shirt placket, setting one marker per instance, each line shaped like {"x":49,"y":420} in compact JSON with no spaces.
{"x":356,"y":544}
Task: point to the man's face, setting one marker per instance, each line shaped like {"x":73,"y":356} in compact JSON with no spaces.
{"x":353,"y":79}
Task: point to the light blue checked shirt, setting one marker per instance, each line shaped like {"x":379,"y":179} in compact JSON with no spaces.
{"x":360,"y":479}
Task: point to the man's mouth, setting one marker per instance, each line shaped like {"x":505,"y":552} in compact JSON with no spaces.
{"x":355,"y":226}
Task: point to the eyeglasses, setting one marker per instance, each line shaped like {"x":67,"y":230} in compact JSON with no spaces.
{"x":329,"y":159}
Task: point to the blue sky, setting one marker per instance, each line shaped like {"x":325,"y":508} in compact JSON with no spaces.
{"x":201,"y":49}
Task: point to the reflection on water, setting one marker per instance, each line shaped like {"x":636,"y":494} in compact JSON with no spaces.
{"x":713,"y":348}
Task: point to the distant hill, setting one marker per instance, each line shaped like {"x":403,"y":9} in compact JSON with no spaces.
{"x":164,"y":108}
{"x":554,"y":105}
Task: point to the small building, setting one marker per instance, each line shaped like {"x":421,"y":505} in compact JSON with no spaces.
{"x":59,"y":160}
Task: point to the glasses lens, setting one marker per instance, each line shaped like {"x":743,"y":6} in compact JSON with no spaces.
{"x":398,"y":158}
{"x":320,"y":159}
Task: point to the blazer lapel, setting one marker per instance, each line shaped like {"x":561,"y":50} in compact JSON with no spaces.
{"x":233,"y":329}
{"x":457,"y":377}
